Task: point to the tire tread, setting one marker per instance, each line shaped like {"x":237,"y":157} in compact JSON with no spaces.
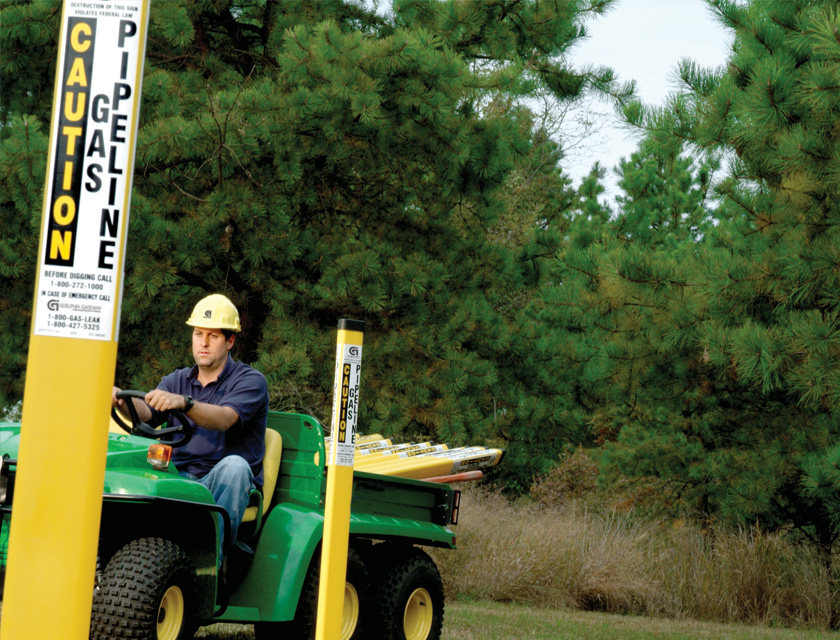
{"x":127,"y":598}
{"x":408,"y":568}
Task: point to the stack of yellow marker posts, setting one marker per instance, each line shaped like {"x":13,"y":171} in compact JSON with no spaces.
{"x":367,"y":460}
{"x":375,"y":454}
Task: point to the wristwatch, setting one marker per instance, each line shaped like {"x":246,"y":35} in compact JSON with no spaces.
{"x":188,"y":403}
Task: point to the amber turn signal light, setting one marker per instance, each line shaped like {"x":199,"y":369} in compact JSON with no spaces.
{"x":159,"y":456}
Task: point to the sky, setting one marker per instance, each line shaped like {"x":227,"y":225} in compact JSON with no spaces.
{"x":642,"y":40}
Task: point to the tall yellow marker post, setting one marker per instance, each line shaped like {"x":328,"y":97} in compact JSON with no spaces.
{"x":76,"y":312}
{"x":348,"y":368}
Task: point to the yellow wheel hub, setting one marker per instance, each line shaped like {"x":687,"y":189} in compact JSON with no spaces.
{"x":417,"y":619}
{"x":170,"y":617}
{"x":350,"y":617}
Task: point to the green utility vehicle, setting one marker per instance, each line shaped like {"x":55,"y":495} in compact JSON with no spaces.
{"x":158,"y":575}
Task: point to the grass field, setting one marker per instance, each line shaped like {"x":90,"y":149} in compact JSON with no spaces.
{"x":479,"y":620}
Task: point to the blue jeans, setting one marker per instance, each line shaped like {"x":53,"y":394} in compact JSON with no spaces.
{"x":230,"y":482}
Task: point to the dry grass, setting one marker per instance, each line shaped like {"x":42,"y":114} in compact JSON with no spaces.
{"x":742,"y":576}
{"x":621,"y":563}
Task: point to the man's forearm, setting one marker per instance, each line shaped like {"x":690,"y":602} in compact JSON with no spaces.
{"x":208,"y":416}
{"x":213,"y":417}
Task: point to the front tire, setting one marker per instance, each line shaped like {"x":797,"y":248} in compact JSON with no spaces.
{"x":146,"y":593}
{"x":410,"y":597}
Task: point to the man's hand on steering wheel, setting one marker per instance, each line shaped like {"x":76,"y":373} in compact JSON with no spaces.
{"x":163,"y":402}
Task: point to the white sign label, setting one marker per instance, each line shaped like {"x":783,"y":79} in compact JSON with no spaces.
{"x":88,"y":189}
{"x":346,"y":404}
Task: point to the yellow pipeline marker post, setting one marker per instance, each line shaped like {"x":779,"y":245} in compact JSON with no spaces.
{"x":75,"y":322}
{"x":348,"y":368}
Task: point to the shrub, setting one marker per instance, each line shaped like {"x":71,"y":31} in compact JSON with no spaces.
{"x":575,"y":478}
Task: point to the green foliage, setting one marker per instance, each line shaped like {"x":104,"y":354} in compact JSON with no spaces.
{"x":317,"y":160}
{"x":706,"y":329}
{"x":625,"y":298}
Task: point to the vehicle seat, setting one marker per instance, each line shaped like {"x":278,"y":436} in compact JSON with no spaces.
{"x":260,"y":502}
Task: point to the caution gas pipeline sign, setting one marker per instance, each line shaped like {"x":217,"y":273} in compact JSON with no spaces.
{"x":87,"y":195}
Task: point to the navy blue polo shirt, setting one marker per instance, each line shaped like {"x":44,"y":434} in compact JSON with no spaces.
{"x":243,"y":389}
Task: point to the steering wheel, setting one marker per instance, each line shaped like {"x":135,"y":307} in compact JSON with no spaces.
{"x":140,"y":428}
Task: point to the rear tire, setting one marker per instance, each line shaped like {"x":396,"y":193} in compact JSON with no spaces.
{"x":410,"y":597}
{"x":356,"y":611}
{"x":146,"y":592}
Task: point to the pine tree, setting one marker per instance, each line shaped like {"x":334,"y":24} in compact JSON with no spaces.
{"x":626,"y":298}
{"x":28,"y":57}
{"x":758,"y":439}
{"x":317,"y":160}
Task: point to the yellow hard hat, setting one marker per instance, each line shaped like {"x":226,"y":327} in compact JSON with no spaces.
{"x":215,"y":312}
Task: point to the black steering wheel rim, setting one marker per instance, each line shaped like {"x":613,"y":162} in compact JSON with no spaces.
{"x":145,"y":430}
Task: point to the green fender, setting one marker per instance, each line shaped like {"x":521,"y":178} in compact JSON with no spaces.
{"x":155,"y":484}
{"x":290,"y":535}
